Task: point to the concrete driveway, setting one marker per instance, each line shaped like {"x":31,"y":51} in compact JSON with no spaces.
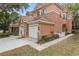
{"x":11,"y":43}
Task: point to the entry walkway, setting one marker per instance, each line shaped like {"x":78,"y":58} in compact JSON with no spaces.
{"x":13,"y":42}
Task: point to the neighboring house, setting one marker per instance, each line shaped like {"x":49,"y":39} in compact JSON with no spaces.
{"x":46,"y":19}
{"x":14,"y":27}
{"x":19,"y":26}
{"x":23,"y":26}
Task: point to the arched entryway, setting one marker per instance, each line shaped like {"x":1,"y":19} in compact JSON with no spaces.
{"x":23,"y":30}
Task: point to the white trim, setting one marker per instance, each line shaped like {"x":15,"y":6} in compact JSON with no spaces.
{"x":33,"y":24}
{"x":39,"y":21}
{"x":52,"y":11}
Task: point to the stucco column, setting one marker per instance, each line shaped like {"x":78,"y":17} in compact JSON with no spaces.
{"x":69,"y":23}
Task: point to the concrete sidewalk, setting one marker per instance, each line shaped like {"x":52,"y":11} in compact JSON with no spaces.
{"x":13,"y":42}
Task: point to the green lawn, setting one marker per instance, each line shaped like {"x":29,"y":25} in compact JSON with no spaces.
{"x":68,"y":47}
{"x":3,"y":35}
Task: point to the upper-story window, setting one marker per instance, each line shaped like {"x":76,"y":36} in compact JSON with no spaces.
{"x":40,"y":12}
{"x":63,"y":15}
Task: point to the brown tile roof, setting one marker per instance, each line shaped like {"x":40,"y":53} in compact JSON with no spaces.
{"x":14,"y":25}
{"x":24,"y":18}
{"x":44,"y":6}
{"x":41,"y":18}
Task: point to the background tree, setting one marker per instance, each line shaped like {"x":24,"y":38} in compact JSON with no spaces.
{"x":8,"y":14}
{"x":27,"y":13}
{"x":14,"y":17}
{"x":74,"y":7}
{"x":4,"y":21}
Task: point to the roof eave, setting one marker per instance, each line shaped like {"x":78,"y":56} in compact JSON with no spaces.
{"x":40,"y":21}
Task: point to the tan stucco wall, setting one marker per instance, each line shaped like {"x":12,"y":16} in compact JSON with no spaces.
{"x":57,"y":20}
{"x":54,"y":16}
{"x":69,"y":25}
{"x":45,"y":29}
{"x":53,"y":7}
{"x":26,"y":31}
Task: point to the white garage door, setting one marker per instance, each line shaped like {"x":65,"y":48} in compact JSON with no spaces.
{"x":33,"y":31}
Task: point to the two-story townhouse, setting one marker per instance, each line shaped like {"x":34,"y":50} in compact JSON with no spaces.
{"x":49,"y":18}
{"x":46,"y":19}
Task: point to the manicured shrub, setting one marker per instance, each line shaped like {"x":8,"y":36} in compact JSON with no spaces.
{"x":15,"y":33}
{"x":2,"y":35}
{"x":67,"y":33}
{"x":55,"y":36}
{"x":45,"y":38}
{"x":75,"y":31}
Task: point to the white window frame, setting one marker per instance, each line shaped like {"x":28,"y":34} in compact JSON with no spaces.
{"x":63,"y":15}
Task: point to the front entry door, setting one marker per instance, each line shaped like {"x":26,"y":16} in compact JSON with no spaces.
{"x":64,"y":29}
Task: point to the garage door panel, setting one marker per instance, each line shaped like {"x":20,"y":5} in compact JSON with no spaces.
{"x":33,"y":31}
